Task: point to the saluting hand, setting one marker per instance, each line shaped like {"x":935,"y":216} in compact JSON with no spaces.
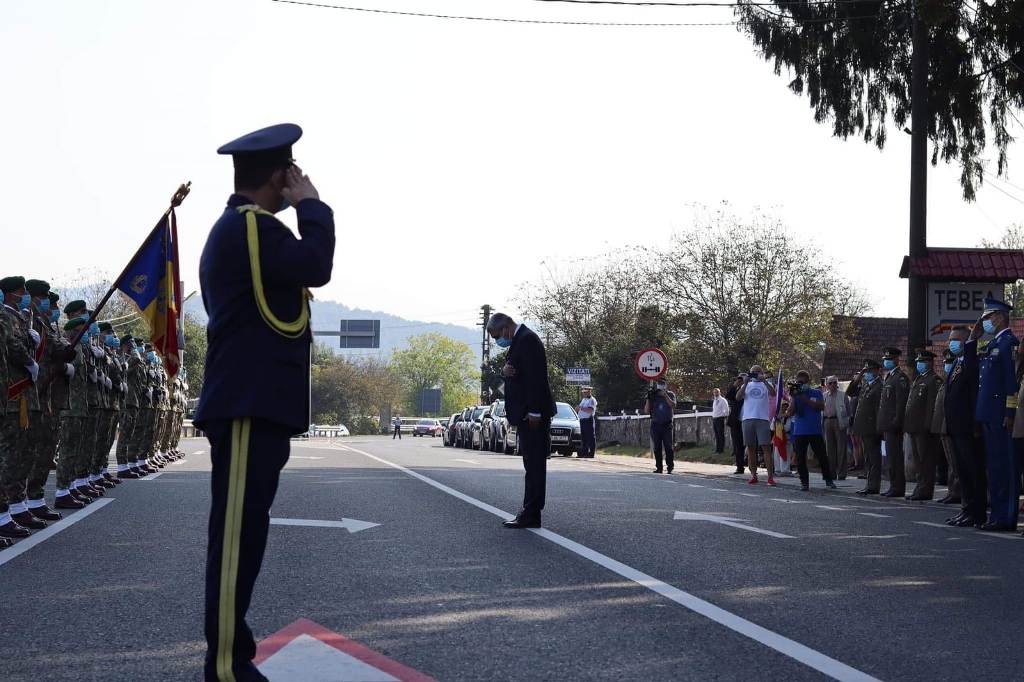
{"x":298,"y":186}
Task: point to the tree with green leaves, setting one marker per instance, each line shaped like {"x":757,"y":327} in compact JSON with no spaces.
{"x":195,"y":355}
{"x":1013,"y":238}
{"x":436,"y":361}
{"x":853,"y":59}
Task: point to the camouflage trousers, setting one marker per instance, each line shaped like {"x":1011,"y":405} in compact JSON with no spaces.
{"x":106,"y":430}
{"x":43,"y":444}
{"x":142,"y":436}
{"x":176,"y":424}
{"x":83,"y":463}
{"x":17,"y":460}
{"x":129,"y":420}
{"x":166,"y":428}
{"x":71,"y":453}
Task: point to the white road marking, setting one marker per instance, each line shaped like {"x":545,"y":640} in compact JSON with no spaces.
{"x":787,"y":647}
{"x":872,"y":537}
{"x":28,"y":543}
{"x":151,"y":476}
{"x":1004,"y":536}
{"x":303,"y":457}
{"x":695,"y":485}
{"x":825,"y":506}
{"x":198,"y":452}
{"x":467,"y":461}
{"x":750,"y":495}
{"x":351,"y":525}
{"x":721,"y":490}
{"x":727,"y":521}
{"x":877,"y":516}
{"x":782,"y":499}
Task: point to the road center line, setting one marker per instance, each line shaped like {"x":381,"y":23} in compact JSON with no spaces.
{"x":28,"y":543}
{"x":877,"y":516}
{"x":788,"y":647}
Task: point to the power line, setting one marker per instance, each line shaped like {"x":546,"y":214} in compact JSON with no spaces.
{"x":665,"y":3}
{"x":992,"y":179}
{"x":506,"y":20}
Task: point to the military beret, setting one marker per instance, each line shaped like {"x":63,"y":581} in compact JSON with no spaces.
{"x":75,"y":322}
{"x":870,"y":363}
{"x":37,"y":287}
{"x":106,"y":327}
{"x":13,"y":283}
{"x":891,"y":352}
{"x":127,"y":338}
{"x":991,"y":306}
{"x":74,"y":307}
{"x":54,"y":297}
{"x":925,"y":356}
{"x":267,"y":146}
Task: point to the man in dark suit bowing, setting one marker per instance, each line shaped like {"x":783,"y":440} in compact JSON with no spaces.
{"x":529,"y":407}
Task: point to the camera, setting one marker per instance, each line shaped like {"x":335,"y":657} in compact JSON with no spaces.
{"x":795,"y":387}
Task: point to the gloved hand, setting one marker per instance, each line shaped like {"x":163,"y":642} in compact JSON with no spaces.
{"x":93,"y":377}
{"x":33,"y":369}
{"x":107,"y":383}
{"x":97,"y":352}
{"x":35,"y":337}
{"x":149,"y":394}
{"x":124,"y":387}
{"x":69,"y":370}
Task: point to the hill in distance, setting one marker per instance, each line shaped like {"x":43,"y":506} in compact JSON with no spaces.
{"x":394,"y":330}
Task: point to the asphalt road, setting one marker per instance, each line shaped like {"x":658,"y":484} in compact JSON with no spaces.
{"x":806,"y":586}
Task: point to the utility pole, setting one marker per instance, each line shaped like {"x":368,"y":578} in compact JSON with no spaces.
{"x":485,"y":351}
{"x":919,"y":119}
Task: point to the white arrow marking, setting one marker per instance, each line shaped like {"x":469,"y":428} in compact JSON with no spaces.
{"x":351,"y":525}
{"x":304,"y":457}
{"x":727,"y":521}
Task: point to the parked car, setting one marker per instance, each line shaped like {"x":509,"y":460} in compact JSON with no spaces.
{"x":475,"y":429}
{"x":427,"y":427}
{"x":462,"y":429}
{"x":451,"y":431}
{"x":495,"y":426}
{"x":342,"y":430}
{"x":565,"y":432}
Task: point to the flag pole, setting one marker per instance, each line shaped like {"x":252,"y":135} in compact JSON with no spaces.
{"x":179,"y":196}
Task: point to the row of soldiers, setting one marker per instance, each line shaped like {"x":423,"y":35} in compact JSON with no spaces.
{"x":967,"y":417}
{"x":68,"y":401}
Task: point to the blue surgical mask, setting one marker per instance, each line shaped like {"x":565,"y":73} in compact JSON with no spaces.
{"x":25,"y":302}
{"x":869,"y":377}
{"x":948,"y":367}
{"x":989,"y":326}
{"x":112,"y":341}
{"x":923,"y":367}
{"x":43,"y":306}
{"x":54,"y":315}
{"x":503,"y":342}
{"x":889,"y":364}
{"x":94,"y":329}
{"x":956,"y":346}
{"x":85,"y":340}
{"x":151,"y":356}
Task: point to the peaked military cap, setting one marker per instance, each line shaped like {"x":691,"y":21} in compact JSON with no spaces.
{"x":13,"y":283}
{"x":891,"y":353}
{"x":75,"y":322}
{"x":924,"y":355}
{"x":54,"y":297}
{"x":37,"y":287}
{"x":106,"y":327}
{"x":267,"y":146}
{"x":993,"y":306}
{"x":74,"y":307}
{"x":870,"y":363}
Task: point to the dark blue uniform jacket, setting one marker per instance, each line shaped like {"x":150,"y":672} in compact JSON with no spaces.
{"x":962,"y":392}
{"x":997,"y":380}
{"x":252,"y":370}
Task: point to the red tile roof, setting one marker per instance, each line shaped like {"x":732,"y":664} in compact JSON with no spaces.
{"x":966,"y":265}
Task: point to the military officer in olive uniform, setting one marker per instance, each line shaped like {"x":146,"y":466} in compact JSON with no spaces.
{"x":868,"y":389}
{"x":254,"y":275}
{"x":132,"y":362}
{"x":997,"y":407}
{"x":939,"y":429}
{"x":891,"y":409}
{"x":74,"y":417}
{"x":917,"y":421}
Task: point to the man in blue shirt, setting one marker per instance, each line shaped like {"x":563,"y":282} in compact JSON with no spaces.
{"x":805,"y":408}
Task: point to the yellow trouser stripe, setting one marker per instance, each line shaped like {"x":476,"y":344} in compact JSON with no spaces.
{"x":230,"y":551}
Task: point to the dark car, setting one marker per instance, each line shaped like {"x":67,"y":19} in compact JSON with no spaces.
{"x":427,"y":427}
{"x":475,"y":429}
{"x":462,"y":429}
{"x":448,"y":436}
{"x":495,"y":427}
{"x":565,"y":431}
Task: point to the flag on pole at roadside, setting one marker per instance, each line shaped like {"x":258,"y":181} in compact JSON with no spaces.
{"x":151,"y":283}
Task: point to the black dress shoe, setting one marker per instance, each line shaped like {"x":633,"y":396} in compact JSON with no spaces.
{"x":45,"y":513}
{"x":68,"y":502}
{"x":657,"y":471}
{"x":26,"y":520}
{"x":964,"y":522}
{"x":522,"y":523}
{"x":5,"y":543}
{"x":865,"y":491}
{"x":949,"y":499}
{"x":127,"y":475}
{"x":993,"y":527}
{"x":739,"y":471}
{"x":918,"y":498}
{"x":14,"y":531}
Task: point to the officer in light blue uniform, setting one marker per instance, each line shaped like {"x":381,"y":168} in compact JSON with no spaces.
{"x":254,"y":274}
{"x":997,"y":405}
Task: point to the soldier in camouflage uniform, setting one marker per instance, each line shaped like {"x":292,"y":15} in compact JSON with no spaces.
{"x":85,"y":484}
{"x":127,"y":464}
{"x":6,"y":337}
{"x":114,"y":390}
{"x":74,"y":418}
{"x":23,"y":401}
{"x":52,"y":389}
{"x":142,"y":437}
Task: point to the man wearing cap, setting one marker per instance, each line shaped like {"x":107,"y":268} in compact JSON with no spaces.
{"x":74,"y":417}
{"x":254,"y":275}
{"x":139,"y":377}
{"x":867,"y":386}
{"x":131,"y":362}
{"x":917,"y":421}
{"x":997,"y":406}
{"x":891,"y":408}
{"x":939,"y":429}
{"x":114,"y":390}
{"x":8,"y":341}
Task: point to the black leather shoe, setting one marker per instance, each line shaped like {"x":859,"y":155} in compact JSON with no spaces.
{"x":953,"y":519}
{"x":26,"y":520}
{"x":522,"y":523}
{"x":127,"y":475}
{"x":865,"y":491}
{"x":918,"y":498}
{"x":45,"y":513}
{"x":964,"y":522}
{"x":740,"y":471}
{"x":949,"y":499}
{"x":669,"y":471}
{"x":109,"y":478}
{"x":14,"y":531}
{"x":5,"y":543}
{"x":992,"y":527}
{"x":657,"y":471}
{"x":68,"y":502}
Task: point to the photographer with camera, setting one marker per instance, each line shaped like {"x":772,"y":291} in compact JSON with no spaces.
{"x":756,"y":394}
{"x":806,"y":406}
{"x":661,"y":405}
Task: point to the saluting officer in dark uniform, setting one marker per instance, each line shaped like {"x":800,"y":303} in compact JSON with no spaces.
{"x":254,"y":273}
{"x":891,"y":409}
{"x":997,"y":405}
{"x":961,"y":403}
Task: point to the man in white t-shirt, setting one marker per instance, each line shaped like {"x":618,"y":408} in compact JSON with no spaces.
{"x":756,"y":394}
{"x":588,"y":420}
{"x":719,"y":412}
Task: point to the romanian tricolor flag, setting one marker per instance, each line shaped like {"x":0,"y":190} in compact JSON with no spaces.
{"x":151,"y":283}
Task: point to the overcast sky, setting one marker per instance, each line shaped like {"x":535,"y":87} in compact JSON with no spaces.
{"x":457,"y":155}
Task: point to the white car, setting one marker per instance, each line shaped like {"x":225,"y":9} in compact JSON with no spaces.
{"x":343,"y":430}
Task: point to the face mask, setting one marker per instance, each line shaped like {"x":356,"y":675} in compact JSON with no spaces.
{"x":112,"y":341}
{"x":989,"y":326}
{"x":94,"y":329}
{"x":889,"y":364}
{"x":151,"y":356}
{"x":503,"y":342}
{"x":956,"y":346}
{"x":43,"y":306}
{"x":948,"y":367}
{"x":753,"y":376}
{"x":922,"y":367}
{"x":54,"y":315}
{"x":85,"y":339}
{"x":869,"y":376}
{"x":25,"y":302}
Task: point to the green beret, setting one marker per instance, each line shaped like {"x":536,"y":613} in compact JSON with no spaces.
{"x":54,"y":297}
{"x":74,"y":307}
{"x":75,"y":322}
{"x":37,"y":287}
{"x":9,"y":284}
{"x":126,"y":339}
{"x":106,"y":327}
